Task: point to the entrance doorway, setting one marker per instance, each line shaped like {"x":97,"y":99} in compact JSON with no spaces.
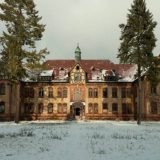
{"x":77,"y":111}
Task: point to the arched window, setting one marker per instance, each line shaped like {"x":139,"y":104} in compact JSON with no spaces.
{"x":40,"y":108}
{"x":95,"y":93}
{"x":2,"y":107}
{"x":50,"y":92}
{"x":2,"y":89}
{"x":65,"y":92}
{"x":95,"y":108}
{"x":50,"y":108}
{"x":62,"y":108}
{"x":59,"y":92}
{"x":41,"y":92}
{"x":90,"y":95}
{"x":90,"y":108}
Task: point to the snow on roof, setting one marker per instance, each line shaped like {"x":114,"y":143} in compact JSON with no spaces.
{"x":129,"y":75}
{"x":46,"y":73}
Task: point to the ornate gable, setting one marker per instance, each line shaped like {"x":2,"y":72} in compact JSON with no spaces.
{"x":77,"y":75}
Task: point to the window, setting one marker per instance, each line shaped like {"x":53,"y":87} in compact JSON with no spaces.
{"x":114,"y":92}
{"x":126,"y":108}
{"x":40,"y":108}
{"x":50,"y":108}
{"x":28,"y":108}
{"x":90,"y":92}
{"x":29,"y":92}
{"x":50,"y":92}
{"x":95,"y":93}
{"x":41,"y":92}
{"x":62,"y":92}
{"x":105,"y":107}
{"x":114,"y":108}
{"x":2,"y":89}
{"x":154,"y":108}
{"x":154,"y":89}
{"x":77,"y":94}
{"x":77,"y":76}
{"x":65,"y":92}
{"x":93,"y":108}
{"x":90,"y":108}
{"x":126,"y":92}
{"x":2,"y":107}
{"x":62,"y":108}
{"x":59,"y":92}
{"x":105,"y":92}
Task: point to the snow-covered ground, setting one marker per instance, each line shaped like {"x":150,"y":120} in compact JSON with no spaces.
{"x":96,"y":140}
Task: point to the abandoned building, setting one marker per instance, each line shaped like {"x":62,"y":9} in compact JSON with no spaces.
{"x":80,"y":89}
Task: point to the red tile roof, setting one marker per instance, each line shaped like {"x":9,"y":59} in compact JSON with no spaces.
{"x":87,"y":65}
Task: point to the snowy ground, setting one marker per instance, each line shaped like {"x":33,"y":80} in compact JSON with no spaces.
{"x":105,"y":140}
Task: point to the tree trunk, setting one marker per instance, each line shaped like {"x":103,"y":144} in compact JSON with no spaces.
{"x":15,"y":101}
{"x":139,"y":98}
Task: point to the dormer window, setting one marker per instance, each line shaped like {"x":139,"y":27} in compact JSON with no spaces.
{"x":77,"y":68}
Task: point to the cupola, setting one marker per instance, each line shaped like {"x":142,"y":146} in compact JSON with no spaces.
{"x":77,"y":54}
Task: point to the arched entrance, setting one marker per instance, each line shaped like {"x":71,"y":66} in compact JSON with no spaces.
{"x":77,"y":111}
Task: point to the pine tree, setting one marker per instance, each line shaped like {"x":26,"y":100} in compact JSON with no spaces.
{"x":18,"y":41}
{"x":137,"y":42}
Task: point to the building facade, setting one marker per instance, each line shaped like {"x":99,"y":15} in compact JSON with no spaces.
{"x":80,"y":89}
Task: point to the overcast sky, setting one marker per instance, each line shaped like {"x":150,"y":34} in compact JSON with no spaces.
{"x":91,"y":23}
